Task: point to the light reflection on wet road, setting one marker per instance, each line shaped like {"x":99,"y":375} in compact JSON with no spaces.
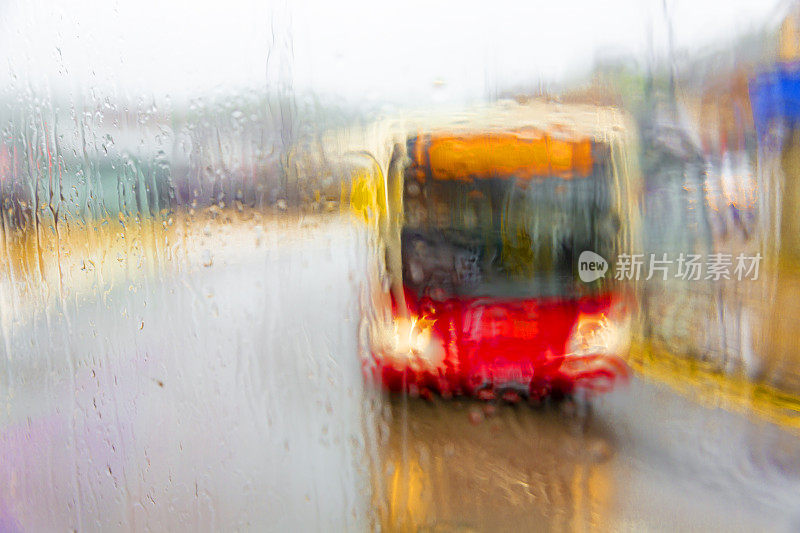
{"x":641,"y":458}
{"x":228,"y":395}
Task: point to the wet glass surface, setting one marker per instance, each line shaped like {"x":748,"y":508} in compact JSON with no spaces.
{"x":355,"y":267}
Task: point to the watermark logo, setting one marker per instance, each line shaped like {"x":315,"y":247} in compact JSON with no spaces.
{"x":591,"y":266}
{"x":688,"y":267}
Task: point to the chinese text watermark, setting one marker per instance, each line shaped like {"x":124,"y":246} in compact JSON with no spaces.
{"x":688,"y":267}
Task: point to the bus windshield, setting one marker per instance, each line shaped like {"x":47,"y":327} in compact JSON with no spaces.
{"x":489,"y":229}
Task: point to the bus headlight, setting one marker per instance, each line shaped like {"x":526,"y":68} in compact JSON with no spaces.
{"x":412,"y":343}
{"x":594,"y":356}
{"x":597,"y":334}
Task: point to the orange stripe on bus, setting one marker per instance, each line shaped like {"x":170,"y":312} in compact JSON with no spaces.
{"x":524,"y":154}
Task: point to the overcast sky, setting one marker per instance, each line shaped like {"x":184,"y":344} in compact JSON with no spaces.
{"x":350,"y":49}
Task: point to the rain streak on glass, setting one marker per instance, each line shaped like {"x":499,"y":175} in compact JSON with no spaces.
{"x":315,"y":266}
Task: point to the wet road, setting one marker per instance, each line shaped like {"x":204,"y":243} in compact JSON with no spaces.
{"x":639,"y":459}
{"x":221,"y":390}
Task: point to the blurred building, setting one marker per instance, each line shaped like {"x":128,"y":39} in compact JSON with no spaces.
{"x":775,"y":92}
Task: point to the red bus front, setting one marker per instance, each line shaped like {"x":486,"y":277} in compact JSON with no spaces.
{"x":491,"y":305}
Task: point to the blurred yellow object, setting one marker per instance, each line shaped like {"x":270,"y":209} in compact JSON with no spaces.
{"x":365,"y":193}
{"x":789,"y":47}
{"x":525,"y":153}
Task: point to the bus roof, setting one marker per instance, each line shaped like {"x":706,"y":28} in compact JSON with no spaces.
{"x":560,"y":122}
{"x":565,"y":121}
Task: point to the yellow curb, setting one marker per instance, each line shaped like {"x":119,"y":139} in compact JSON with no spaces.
{"x":703,"y":382}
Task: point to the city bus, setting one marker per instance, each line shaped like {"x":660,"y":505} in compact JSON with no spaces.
{"x":487,"y":215}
